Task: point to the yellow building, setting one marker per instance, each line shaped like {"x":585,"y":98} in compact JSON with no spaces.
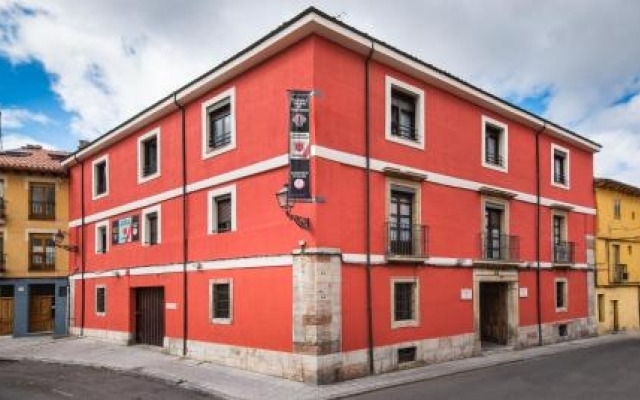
{"x":33,"y":269}
{"x":617,"y":256}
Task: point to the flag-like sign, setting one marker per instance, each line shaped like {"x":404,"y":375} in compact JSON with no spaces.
{"x":299,"y":145}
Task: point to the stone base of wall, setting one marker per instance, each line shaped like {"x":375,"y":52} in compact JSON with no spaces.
{"x":117,"y":337}
{"x":551,"y":332}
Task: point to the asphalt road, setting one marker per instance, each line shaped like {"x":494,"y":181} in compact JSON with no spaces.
{"x":610,"y":372}
{"x":40,"y":381}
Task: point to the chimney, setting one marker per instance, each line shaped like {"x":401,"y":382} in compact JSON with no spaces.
{"x":82,"y":144}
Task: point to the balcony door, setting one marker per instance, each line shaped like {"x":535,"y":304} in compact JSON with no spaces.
{"x":401,"y":222}
{"x":493,"y":227}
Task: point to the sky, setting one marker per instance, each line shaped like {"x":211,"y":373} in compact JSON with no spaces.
{"x":72,"y":70}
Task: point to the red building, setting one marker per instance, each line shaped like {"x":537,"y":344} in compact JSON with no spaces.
{"x":442,"y":219}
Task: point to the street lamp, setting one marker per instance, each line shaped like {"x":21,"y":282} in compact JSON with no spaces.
{"x":286,"y":203}
{"x":58,"y":238}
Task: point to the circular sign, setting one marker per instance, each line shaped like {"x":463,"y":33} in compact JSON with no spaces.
{"x":298,"y":183}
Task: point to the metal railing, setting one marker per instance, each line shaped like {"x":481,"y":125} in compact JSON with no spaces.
{"x":500,"y":247}
{"x":408,"y":240}
{"x":563,"y":252}
{"x":620,"y":273}
{"x":494,"y":159}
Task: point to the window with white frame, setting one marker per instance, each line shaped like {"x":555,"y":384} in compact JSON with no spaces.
{"x":404,"y":113}
{"x":101,"y":300}
{"x":404,"y":302}
{"x":102,"y":237}
{"x":495,"y":144}
{"x":222,"y":210}
{"x":221,"y":301}
{"x":560,"y":166}
{"x":218,"y":124}
{"x":561,"y":294}
{"x":151,"y":232}
{"x":149,"y":155}
{"x":100,"y":177}
{"x":406,"y":236}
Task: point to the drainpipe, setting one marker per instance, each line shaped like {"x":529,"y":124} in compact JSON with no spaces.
{"x":82,"y":246}
{"x":185,"y":257}
{"x":538,"y":232}
{"x":367,"y":151}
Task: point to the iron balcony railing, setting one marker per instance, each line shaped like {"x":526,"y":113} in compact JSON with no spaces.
{"x":500,"y":247}
{"x":494,"y":159}
{"x":620,"y":273}
{"x":560,"y":178}
{"x":407,"y":131}
{"x":563,"y":252}
{"x":406,"y":240}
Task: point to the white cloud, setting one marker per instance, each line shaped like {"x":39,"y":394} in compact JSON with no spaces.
{"x":15,"y":141}
{"x":113,"y":58}
{"x":17,"y":118}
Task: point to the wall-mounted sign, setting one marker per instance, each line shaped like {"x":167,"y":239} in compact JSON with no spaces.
{"x":524,"y":292}
{"x":125,"y":230}
{"x":299,"y":145}
{"x":466,"y":294}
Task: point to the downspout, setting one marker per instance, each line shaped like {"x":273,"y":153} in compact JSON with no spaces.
{"x":538,"y":233}
{"x":367,"y":151}
{"x":185,"y":299}
{"x":82,"y":245}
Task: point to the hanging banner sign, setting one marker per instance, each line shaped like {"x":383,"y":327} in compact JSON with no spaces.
{"x":299,"y":145}
{"x":125,"y":230}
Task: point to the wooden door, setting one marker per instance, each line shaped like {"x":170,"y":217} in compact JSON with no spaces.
{"x":6,"y":315}
{"x":41,"y":313}
{"x":149,"y":312}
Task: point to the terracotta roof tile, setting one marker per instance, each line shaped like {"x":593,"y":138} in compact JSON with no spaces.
{"x":33,"y":158}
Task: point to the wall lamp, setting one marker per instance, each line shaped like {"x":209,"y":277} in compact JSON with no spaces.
{"x":58,"y":238}
{"x":286,"y":203}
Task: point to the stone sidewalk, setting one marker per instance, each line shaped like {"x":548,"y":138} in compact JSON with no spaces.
{"x":232,"y":383}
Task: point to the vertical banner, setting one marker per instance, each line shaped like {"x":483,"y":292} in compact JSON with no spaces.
{"x":299,"y":145}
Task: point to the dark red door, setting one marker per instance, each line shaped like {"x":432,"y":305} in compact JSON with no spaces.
{"x":150,"y":315}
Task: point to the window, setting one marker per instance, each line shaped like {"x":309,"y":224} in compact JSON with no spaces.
{"x":494,"y":239}
{"x":561,"y":295}
{"x":102,"y":237}
{"x":218,"y":124}
{"x":404,"y":113}
{"x":221,"y":301}
{"x":42,"y":200}
{"x":222,"y":210}
{"x":560,"y":166}
{"x":404,"y":302}
{"x":100,"y":177}
{"x":101,"y":300}
{"x":494,"y":144}
{"x":562,"y":249}
{"x":617,"y":203}
{"x":151,"y":226}
{"x":601,"y":309}
{"x":42,"y":252}
{"x":406,"y":237}
{"x":3,"y":263}
{"x":149,"y":156}
{"x":3,"y":208}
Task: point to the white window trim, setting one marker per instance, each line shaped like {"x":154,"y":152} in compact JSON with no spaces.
{"x":141,"y":178}
{"x":390,"y":83}
{"x":102,"y":224}
{"x":222,"y":321}
{"x":231,"y":95}
{"x":504,"y":144}
{"x":100,"y":314}
{"x":212,"y":218}
{"x":416,"y":303}
{"x":144,"y":231}
{"x":566,"y":294}
{"x":94,"y":195}
{"x":567,"y":166}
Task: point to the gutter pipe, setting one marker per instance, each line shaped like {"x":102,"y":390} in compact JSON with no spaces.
{"x":367,"y":151}
{"x":538,"y":232}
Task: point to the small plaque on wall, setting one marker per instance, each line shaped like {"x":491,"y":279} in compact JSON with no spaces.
{"x":171,"y":306}
{"x":524,"y":292}
{"x":466,"y":294}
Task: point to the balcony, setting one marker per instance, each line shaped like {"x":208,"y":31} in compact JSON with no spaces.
{"x":406,"y":242}
{"x":563,"y":253}
{"x":3,"y":211}
{"x":499,"y":248}
{"x":620,"y":274}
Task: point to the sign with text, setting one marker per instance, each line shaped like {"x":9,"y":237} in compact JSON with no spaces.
{"x":125,"y":230}
{"x":299,"y":145}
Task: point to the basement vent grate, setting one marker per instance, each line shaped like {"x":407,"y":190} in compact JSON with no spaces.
{"x":562,"y":330}
{"x":406,"y":355}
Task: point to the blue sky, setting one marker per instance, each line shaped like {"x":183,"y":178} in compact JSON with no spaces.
{"x":73,"y":70}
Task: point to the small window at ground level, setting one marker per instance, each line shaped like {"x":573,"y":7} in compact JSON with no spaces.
{"x":101,"y":293}
{"x":221,"y":301}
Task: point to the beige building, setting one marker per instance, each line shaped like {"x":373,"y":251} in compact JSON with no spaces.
{"x":34,"y":206}
{"x":617,"y":255}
